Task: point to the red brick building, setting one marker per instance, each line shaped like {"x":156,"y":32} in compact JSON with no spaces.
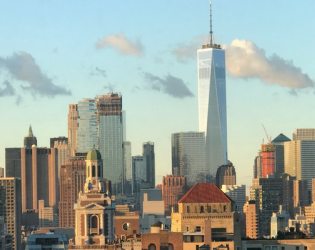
{"x":173,"y":189}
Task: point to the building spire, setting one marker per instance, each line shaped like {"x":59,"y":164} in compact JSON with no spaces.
{"x":30,"y":132}
{"x":211,"y":32}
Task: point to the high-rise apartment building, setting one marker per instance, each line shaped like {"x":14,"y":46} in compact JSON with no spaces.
{"x":72,"y":129}
{"x":212,"y":103}
{"x":127,"y":168}
{"x":148,"y":153}
{"x":173,"y":189}
{"x":226,"y":175}
{"x":188,"y":156}
{"x":257,"y":171}
{"x":139,"y":173}
{"x":252,"y":221}
{"x":303,"y":134}
{"x":13,"y":209}
{"x":299,"y":158}
{"x":278,"y":142}
{"x":72,"y":179}
{"x":110,"y":126}
{"x":301,"y":194}
{"x":87,"y":132}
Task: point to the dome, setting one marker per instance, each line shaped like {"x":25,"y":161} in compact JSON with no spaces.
{"x":93,"y":155}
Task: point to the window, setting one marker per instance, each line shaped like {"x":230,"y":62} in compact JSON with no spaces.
{"x":152,"y":247}
{"x":94,"y":222}
{"x":209,"y":209}
{"x":93,"y":171}
{"x":88,"y":171}
{"x":198,"y":229}
{"x":201,"y":209}
{"x":187,"y":229}
{"x":99,"y":171}
{"x":188,"y":209}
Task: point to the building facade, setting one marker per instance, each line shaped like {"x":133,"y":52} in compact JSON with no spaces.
{"x":139,"y":173}
{"x":127,"y":168}
{"x":61,"y":144}
{"x":148,"y":153}
{"x":267,"y":154}
{"x":72,"y":180}
{"x":188,"y":156}
{"x":110,"y":125}
{"x":226,"y":175}
{"x":303,"y":134}
{"x":212,"y":104}
{"x":237,"y":193}
{"x":13,"y":209}
{"x":173,"y":189}
{"x":72,"y":129}
{"x":279,"y":153}
{"x":251,"y":217}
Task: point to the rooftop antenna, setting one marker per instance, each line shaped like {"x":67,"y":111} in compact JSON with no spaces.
{"x":211,"y":32}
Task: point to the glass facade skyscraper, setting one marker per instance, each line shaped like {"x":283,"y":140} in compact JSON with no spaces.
{"x":110,"y":123}
{"x":212,"y":105}
{"x":87,"y":133}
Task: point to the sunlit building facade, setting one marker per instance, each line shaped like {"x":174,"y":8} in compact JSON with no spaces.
{"x":212,"y":104}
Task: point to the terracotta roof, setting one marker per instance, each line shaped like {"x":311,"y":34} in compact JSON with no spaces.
{"x":205,"y":193}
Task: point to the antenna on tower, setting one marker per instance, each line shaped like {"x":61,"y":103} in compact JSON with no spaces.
{"x":211,"y":32}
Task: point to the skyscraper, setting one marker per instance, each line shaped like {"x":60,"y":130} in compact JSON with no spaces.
{"x":61,"y":144}
{"x":279,"y":152}
{"x":139,"y":173}
{"x":72,"y":129}
{"x":87,"y":133}
{"x":148,"y":153}
{"x":110,"y":136}
{"x":188,"y":156}
{"x":303,"y":134}
{"x":267,"y":159}
{"x":212,"y":102}
{"x":127,"y":168}
{"x":226,"y":175}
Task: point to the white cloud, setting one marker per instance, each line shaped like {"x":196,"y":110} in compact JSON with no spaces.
{"x":121,"y":44}
{"x":246,"y":60}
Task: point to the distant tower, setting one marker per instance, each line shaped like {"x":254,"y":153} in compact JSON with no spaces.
{"x":95,"y":208}
{"x":212,"y":103}
{"x":30,"y":139}
{"x":110,"y":131}
{"x":139,"y":173}
{"x":226,"y":175}
{"x":72,"y":129}
{"x":148,"y":153}
{"x":127,"y":168}
{"x":279,"y":152}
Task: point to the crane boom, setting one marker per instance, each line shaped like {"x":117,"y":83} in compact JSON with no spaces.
{"x":268,"y":137}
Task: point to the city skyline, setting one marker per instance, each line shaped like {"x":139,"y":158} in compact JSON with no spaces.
{"x":74,"y":51}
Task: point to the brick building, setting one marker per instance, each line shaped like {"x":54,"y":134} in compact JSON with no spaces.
{"x":126,"y":220}
{"x":173,"y":189}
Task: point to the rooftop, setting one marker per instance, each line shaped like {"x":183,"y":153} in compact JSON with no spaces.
{"x":205,"y":193}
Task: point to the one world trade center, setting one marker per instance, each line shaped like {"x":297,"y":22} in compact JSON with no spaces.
{"x":212,"y":103}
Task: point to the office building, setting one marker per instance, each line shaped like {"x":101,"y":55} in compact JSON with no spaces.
{"x":278,"y":142}
{"x":110,"y":124}
{"x":301,"y":194}
{"x":39,"y":180}
{"x":13,"y":162}
{"x":237,"y":193}
{"x":127,"y":168}
{"x":139,"y":173}
{"x":47,"y":216}
{"x":188,"y":156}
{"x":299,"y":158}
{"x":61,"y":144}
{"x":212,"y":104}
{"x":226,"y":175}
{"x":13,"y":210}
{"x":252,"y":221}
{"x":72,"y":180}
{"x":47,"y":241}
{"x":307,"y":134}
{"x":87,"y":131}
{"x":173,"y":189}
{"x":257,"y":170}
{"x":94,"y":210}
{"x":267,"y":155}
{"x":148,"y":153}
{"x":72,"y":129}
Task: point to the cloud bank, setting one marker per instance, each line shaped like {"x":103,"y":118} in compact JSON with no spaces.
{"x":22,"y":66}
{"x":121,"y":44}
{"x":170,"y":85}
{"x":244,"y":59}
{"x":8,"y":90}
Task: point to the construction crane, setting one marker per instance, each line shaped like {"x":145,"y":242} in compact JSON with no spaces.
{"x":268,"y":137}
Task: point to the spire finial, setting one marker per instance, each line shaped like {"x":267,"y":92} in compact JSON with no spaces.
{"x":211,"y":32}
{"x":30,"y":132}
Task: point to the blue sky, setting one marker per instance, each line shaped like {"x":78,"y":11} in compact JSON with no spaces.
{"x":54,"y":53}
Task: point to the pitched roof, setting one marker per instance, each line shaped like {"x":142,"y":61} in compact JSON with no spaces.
{"x":205,"y":193}
{"x":280,"y":138}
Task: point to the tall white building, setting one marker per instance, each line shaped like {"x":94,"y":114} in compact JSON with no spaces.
{"x":188,"y":156}
{"x":212,"y":103}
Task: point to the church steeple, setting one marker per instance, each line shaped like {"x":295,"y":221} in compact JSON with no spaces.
{"x":30,"y":140}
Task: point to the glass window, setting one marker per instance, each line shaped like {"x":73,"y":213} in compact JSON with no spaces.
{"x":188,"y":209}
{"x":93,"y":171}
